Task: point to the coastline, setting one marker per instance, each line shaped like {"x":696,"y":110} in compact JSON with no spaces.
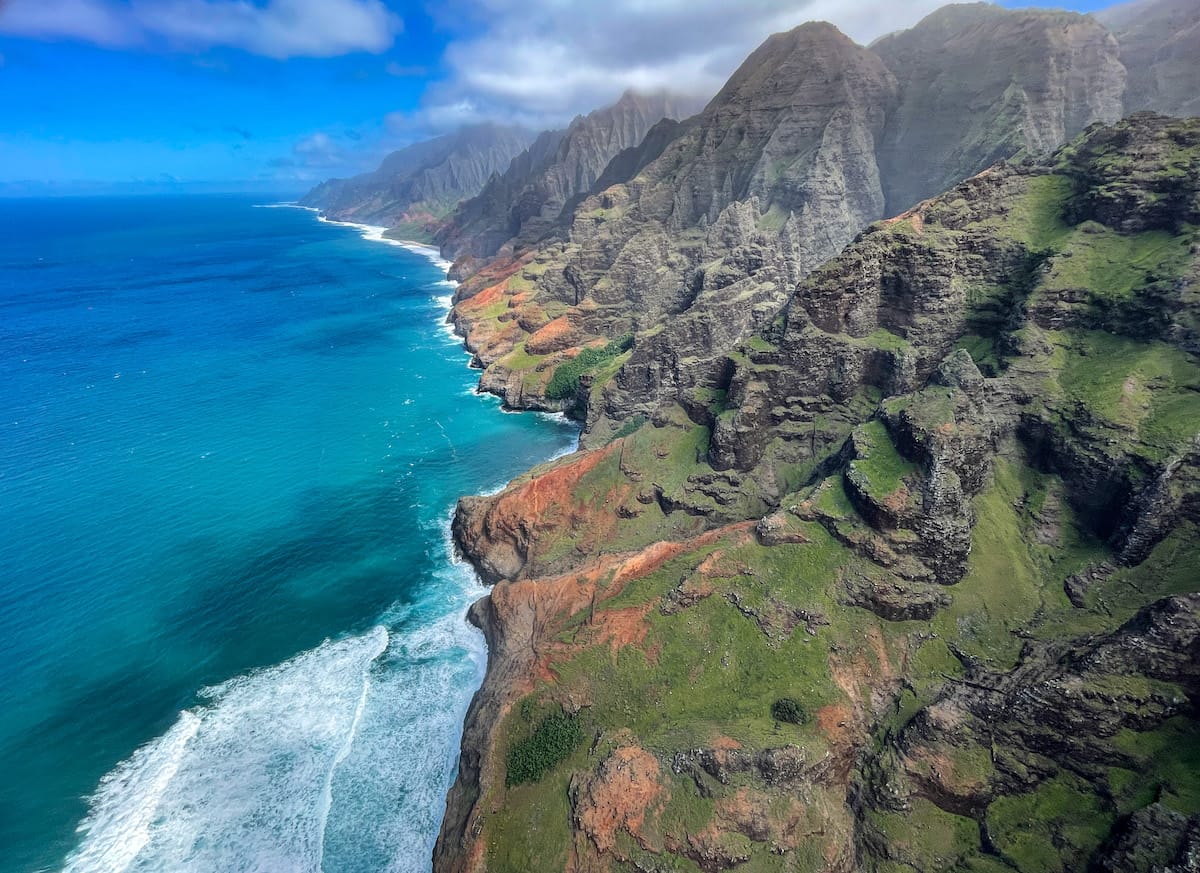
{"x":365,"y":695}
{"x":492,"y":691}
{"x":373,"y":233}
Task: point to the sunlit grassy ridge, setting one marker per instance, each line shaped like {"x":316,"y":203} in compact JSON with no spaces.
{"x":1092,"y":391}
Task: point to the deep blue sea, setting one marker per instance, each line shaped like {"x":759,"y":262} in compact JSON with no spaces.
{"x":231,"y":627}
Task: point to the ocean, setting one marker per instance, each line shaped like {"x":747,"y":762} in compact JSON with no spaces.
{"x":232,"y":630}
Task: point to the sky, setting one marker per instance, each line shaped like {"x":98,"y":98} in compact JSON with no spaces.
{"x":104,"y":95}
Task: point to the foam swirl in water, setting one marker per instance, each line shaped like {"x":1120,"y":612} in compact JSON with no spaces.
{"x":237,"y":784}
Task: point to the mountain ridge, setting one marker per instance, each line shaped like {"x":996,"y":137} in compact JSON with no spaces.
{"x":908,"y":591}
{"x":527,"y":199}
{"x":416,"y":186}
{"x":698,"y":223}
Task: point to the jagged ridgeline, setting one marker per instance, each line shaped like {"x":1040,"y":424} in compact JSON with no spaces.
{"x":527,"y":202}
{"x":488,"y":185}
{"x":415,"y":188}
{"x":694,"y":238}
{"x":916,"y":589}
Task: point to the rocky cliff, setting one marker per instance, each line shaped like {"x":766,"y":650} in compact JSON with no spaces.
{"x":417,"y":186}
{"x":979,"y":83}
{"x":1160,"y":41}
{"x":772,"y":178}
{"x":691,"y":240}
{"x":908,"y":581}
{"x":881,"y":553}
{"x":517,"y":208}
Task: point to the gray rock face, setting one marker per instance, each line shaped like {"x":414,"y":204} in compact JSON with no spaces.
{"x":423,"y":181}
{"x":774,"y":177}
{"x":482,"y":224}
{"x":525,"y":202}
{"x":1160,"y":41}
{"x":695,"y":237}
{"x":979,"y":83}
{"x":1156,"y":839}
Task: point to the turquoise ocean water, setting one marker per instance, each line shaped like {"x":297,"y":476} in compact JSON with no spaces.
{"x":231,"y":630}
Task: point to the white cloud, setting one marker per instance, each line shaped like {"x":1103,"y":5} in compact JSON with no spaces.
{"x":318,"y":150}
{"x":276,"y":29}
{"x":90,"y":20}
{"x":542,"y":61}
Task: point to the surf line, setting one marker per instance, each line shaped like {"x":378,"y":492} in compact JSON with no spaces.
{"x":382,"y":642}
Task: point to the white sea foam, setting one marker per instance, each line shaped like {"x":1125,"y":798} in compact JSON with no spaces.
{"x":375,"y":233}
{"x":337,"y":759}
{"x":124,"y":806}
{"x":287,"y":206}
{"x":237,"y":782}
{"x":390,"y":790}
{"x":568,"y":449}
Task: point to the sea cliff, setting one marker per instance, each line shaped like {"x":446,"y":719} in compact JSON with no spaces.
{"x":912,"y":588}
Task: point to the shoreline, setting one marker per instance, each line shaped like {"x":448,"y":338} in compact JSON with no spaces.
{"x":477,"y":613}
{"x":373,"y":233}
{"x":116,"y":815}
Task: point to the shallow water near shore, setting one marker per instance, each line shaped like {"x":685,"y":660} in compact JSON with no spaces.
{"x":231,"y":630}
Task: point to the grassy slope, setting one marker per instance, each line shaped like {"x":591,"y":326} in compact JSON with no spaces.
{"x":705,"y":675}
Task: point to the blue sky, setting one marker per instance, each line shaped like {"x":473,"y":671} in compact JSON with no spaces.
{"x":277,"y":94}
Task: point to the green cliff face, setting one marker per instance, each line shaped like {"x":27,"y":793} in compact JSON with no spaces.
{"x":912,"y":584}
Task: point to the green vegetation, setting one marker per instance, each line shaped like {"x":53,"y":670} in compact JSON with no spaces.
{"x":411,"y":231}
{"x":787,"y":710}
{"x":520,"y":359}
{"x":548,"y":746}
{"x":1172,"y":568}
{"x":1002,"y":589}
{"x":1104,"y":263}
{"x":1167,"y":761}
{"x":1036,"y":219}
{"x":1054,"y":828}
{"x":564,"y":384}
{"x":879,"y":466}
{"x":629,"y":428}
{"x":738,"y":665}
{"x":714,"y":670}
{"x":1150,"y":389}
{"x":927,"y":836}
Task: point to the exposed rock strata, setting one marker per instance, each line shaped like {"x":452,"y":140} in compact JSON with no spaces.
{"x":877,"y":510}
{"x":1160,"y":41}
{"x":524,"y":203}
{"x":693,"y":239}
